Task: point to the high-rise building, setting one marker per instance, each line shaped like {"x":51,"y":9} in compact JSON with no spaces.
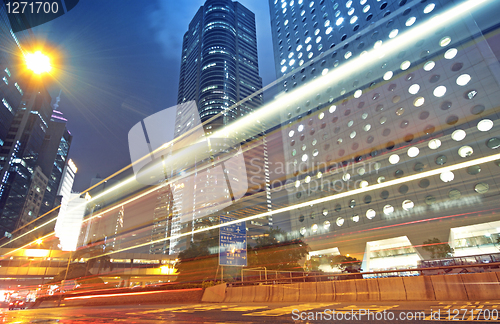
{"x":390,"y":125}
{"x":219,"y":68}
{"x":54,"y":158}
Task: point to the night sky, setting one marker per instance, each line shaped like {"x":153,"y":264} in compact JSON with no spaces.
{"x":121,"y":62}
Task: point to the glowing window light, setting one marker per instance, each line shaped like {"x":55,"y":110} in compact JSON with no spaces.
{"x":413,"y":151}
{"x":414,"y":88}
{"x":388,"y":75}
{"x":300,"y":128}
{"x":340,"y":221}
{"x":367,"y":127}
{"x":445,"y":41}
{"x":434,"y":144}
{"x":297,"y":184}
{"x":418,"y":101}
{"x":393,"y":159}
{"x":328,"y":30}
{"x":321,"y":115}
{"x":393,"y":33}
{"x":358,"y":93}
{"x":429,"y":8}
{"x":370,"y":213}
{"x":450,"y":54}
{"x":304,"y":157}
{"x":326,"y":225}
{"x":332,"y":109}
{"x":283,"y":69}
{"x":439,"y":91}
{"x":447,"y":176}
{"x":458,"y":135}
{"x":366,"y":8}
{"x":388,"y":209}
{"x":485,"y":125}
{"x":314,"y":228}
{"x":307,"y":179}
{"x":346,"y":177}
{"x":325,"y":71}
{"x":355,"y":218}
{"x":299,"y":47}
{"x":429,"y":65}
{"x":405,"y":65}
{"x":303,"y":230}
{"x":407,"y":204}
{"x":410,"y":21}
{"x":354,"y":19}
{"x":339,"y":21}
{"x":465,"y":151}
{"x":291,"y":133}
{"x":363,"y":184}
{"x":463,"y":79}
{"x":308,"y":39}
{"x":347,"y":55}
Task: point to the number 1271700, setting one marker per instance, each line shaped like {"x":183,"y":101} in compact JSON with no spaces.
{"x":37,"y":7}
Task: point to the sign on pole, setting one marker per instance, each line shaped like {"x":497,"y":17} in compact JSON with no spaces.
{"x":232,"y":243}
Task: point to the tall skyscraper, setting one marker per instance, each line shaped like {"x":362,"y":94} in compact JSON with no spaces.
{"x":385,"y":101}
{"x":219,"y":68}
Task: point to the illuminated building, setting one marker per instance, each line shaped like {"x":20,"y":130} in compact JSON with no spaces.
{"x":382,"y":96}
{"x":219,"y":68}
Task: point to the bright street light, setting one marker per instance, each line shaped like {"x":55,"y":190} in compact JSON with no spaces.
{"x":38,"y":62}
{"x":39,"y":241}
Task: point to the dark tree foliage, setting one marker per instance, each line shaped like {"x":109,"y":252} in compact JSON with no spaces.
{"x":345,"y":263}
{"x":274,"y":252}
{"x":437,"y":249}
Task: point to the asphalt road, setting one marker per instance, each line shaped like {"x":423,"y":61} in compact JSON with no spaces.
{"x":335,"y":312}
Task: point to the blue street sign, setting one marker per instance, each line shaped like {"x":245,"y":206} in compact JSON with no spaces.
{"x":232,"y":243}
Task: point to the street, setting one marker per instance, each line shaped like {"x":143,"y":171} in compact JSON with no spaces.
{"x":345,"y":312}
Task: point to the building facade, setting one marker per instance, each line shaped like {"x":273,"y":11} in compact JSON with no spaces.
{"x":390,"y":126}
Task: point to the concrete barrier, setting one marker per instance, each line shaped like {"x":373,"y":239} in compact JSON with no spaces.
{"x":325,"y":291}
{"x":448,"y":287}
{"x":481,"y":286}
{"x":215,"y":294}
{"x":391,"y":288}
{"x":307,"y":292}
{"x":262,"y":293}
{"x":419,"y":288}
{"x":248,"y":294}
{"x":233,"y":294}
{"x":367,"y":289}
{"x":276,"y":293}
{"x":345,"y":290}
{"x":291,"y":292}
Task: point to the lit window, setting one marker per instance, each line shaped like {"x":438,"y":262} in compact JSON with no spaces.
{"x":393,"y":159}
{"x":434,"y":144}
{"x":429,"y":65}
{"x":8,"y":72}
{"x":439,"y":91}
{"x":418,"y":101}
{"x":304,"y":158}
{"x":414,"y":88}
{"x":388,"y":75}
{"x":485,"y":125}
{"x":388,"y":209}
{"x":463,"y":79}
{"x":410,"y":21}
{"x":358,"y":93}
{"x":363,"y":184}
{"x":413,"y":151}
{"x":354,"y":19}
{"x":458,"y":135}
{"x":429,"y":8}
{"x":445,"y":41}
{"x":393,"y":33}
{"x":340,"y":221}
{"x":465,"y":151}
{"x":405,"y":65}
{"x":450,"y":54}
{"x":300,"y":128}
{"x":326,"y":225}
{"x":366,"y":8}
{"x":347,"y":55}
{"x":5,"y":80}
{"x":325,"y":71}
{"x":328,"y":30}
{"x":332,"y":109}
{"x":370,"y":213}
{"x":339,"y":21}
{"x":355,"y":218}
{"x":447,"y":176}
{"x":7,"y":105}
{"x":290,"y":133}
{"x":408,"y":204}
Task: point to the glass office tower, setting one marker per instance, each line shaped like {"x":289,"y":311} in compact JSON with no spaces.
{"x":390,"y":126}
